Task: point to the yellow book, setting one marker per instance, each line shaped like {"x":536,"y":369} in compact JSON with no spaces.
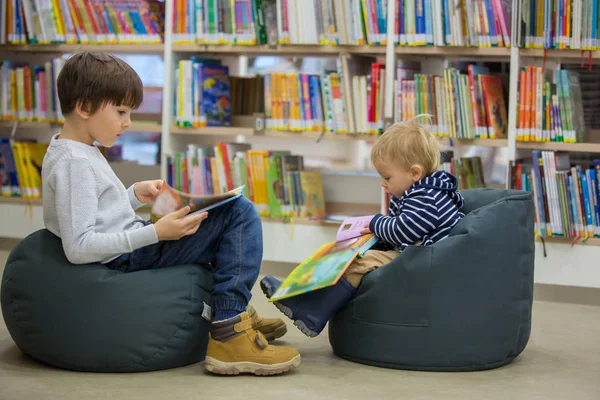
{"x":21,"y":111}
{"x":33,"y":161}
{"x":365,"y":17}
{"x":312,"y":192}
{"x":60,"y":22}
{"x":296,"y":114}
{"x":22,"y":172}
{"x":214,"y":173}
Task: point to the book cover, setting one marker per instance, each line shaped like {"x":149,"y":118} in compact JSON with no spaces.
{"x":169,"y":200}
{"x":216,"y":103}
{"x":324,"y":267}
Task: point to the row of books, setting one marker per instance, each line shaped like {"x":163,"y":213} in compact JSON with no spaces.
{"x":81,"y":21}
{"x":566,"y":196}
{"x":464,"y":105}
{"x":21,"y":168}
{"x":559,"y":24}
{"x":348,"y":99}
{"x":28,"y":92}
{"x":468,"y":171}
{"x":275,"y":181}
{"x":343,"y":22}
{"x":550,"y":106}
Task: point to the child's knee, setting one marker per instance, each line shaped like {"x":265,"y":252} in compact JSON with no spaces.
{"x":246,"y":207}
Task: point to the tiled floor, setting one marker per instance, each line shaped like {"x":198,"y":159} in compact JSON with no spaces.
{"x":562,"y":361}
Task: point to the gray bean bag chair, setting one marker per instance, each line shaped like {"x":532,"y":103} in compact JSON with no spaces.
{"x":462,"y":304}
{"x":91,"y":318}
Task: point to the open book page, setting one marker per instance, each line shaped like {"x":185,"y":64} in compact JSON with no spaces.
{"x":169,"y":200}
{"x":352,"y":227}
{"x":324,"y":267}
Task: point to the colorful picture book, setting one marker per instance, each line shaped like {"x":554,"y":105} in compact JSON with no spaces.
{"x":170,"y":200}
{"x":326,"y":266}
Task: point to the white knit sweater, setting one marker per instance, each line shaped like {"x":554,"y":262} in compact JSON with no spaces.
{"x":87,"y":206}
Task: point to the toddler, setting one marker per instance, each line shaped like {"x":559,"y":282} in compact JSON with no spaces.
{"x":424,"y":208}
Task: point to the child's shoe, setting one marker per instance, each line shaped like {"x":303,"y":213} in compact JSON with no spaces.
{"x":310,"y":311}
{"x":271,"y":328}
{"x":235,"y":347}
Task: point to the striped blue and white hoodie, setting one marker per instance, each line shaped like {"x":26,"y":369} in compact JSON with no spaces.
{"x":426,"y":212}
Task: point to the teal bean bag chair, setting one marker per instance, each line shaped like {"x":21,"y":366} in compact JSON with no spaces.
{"x":92,"y":318}
{"x":462,"y":304}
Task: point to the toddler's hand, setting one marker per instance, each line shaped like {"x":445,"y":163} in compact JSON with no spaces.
{"x":173,"y":226}
{"x":365,"y":231}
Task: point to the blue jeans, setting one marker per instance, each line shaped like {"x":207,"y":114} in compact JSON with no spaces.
{"x":230,"y":240}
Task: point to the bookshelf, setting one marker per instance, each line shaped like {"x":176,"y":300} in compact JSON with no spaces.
{"x":140,"y":48}
{"x":562,"y":54}
{"x":136,"y":126}
{"x":309,"y":233}
{"x":298,"y":50}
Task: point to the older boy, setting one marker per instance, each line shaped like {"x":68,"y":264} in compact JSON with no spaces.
{"x":87,"y":206}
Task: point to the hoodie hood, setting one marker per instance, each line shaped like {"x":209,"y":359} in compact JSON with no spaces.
{"x":442,"y":181}
{"x":439,"y":180}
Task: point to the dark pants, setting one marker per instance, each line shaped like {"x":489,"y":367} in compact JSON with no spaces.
{"x":230,"y":240}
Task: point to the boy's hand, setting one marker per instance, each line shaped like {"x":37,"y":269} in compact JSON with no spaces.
{"x":365,"y":231}
{"x":173,"y":226}
{"x":146,"y":191}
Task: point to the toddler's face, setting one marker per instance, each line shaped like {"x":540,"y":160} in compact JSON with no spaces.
{"x":394,"y":179}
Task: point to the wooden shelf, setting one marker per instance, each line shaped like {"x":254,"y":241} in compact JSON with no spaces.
{"x":73,"y":48}
{"x":280,"y":49}
{"x":560,"y":146}
{"x":20,"y":200}
{"x":141,"y":126}
{"x":560,"y":54}
{"x":589,"y":242}
{"x":449,"y":51}
{"x":212,"y":131}
{"x":475,"y":142}
{"x":317,"y":135}
{"x":29,"y":124}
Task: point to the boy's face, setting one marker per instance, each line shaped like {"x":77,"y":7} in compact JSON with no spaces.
{"x":108,"y":124}
{"x":396,"y":180}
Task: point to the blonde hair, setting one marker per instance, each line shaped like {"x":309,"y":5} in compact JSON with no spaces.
{"x":408,"y":143}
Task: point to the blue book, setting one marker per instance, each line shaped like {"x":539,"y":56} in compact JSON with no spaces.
{"x":593,"y":179}
{"x":216,"y":101}
{"x":586,"y":203}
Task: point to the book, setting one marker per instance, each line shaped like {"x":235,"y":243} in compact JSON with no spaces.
{"x":327,"y":264}
{"x":169,"y":200}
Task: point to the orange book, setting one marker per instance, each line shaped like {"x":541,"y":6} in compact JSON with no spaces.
{"x":495,"y":106}
{"x":521,"y":114}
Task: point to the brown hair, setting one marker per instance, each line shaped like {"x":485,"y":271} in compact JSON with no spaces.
{"x":98,"y":79}
{"x":408,"y":143}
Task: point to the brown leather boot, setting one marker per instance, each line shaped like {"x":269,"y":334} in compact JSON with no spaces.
{"x":271,"y":328}
{"x":235,"y":347}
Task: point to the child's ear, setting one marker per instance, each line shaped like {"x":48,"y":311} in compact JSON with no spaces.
{"x":83,"y":109}
{"x":416,"y":172}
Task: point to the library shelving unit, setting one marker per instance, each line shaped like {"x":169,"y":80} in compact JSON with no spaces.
{"x":565,"y":265}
